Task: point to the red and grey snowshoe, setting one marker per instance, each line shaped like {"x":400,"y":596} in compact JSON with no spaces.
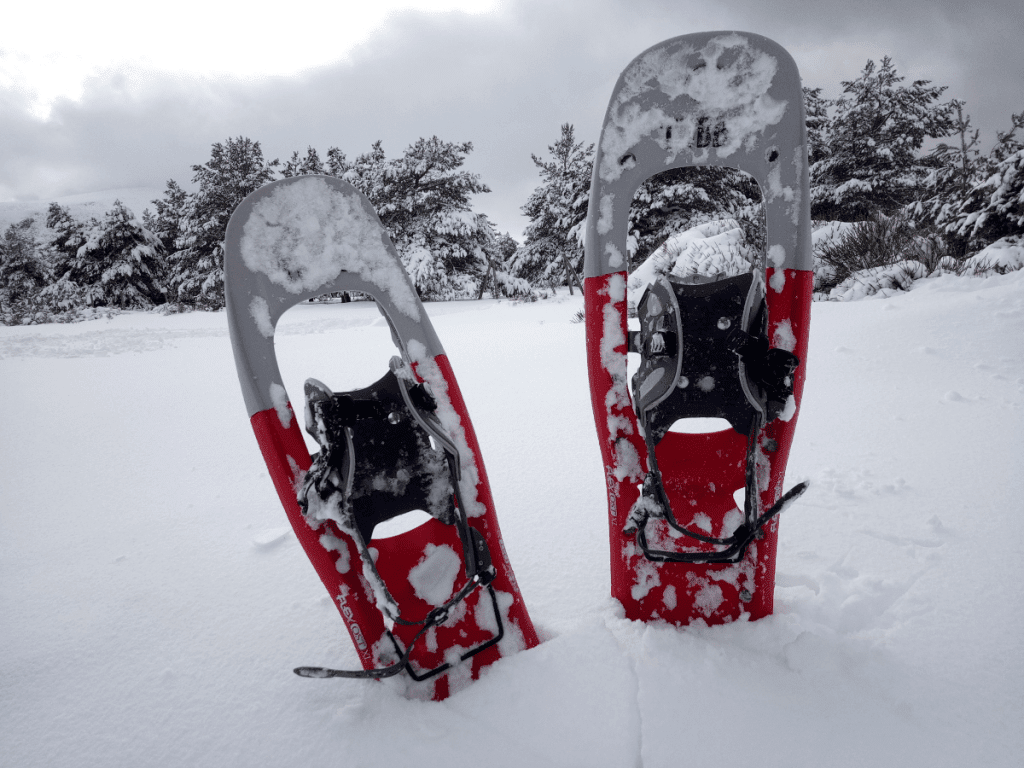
{"x":693,"y":516}
{"x":439,"y":602}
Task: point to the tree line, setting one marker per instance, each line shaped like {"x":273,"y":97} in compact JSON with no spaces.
{"x":866,"y":164}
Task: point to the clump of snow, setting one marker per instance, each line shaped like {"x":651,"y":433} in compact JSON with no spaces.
{"x":433,"y":578}
{"x":647,"y":578}
{"x":279,"y":397}
{"x":727,"y":92}
{"x":304,"y":234}
{"x":783,"y":336}
{"x":708,"y":597}
{"x":260,"y":313}
{"x":333,"y":544}
{"x":789,"y":409}
{"x":668,"y":597}
{"x":271,"y":537}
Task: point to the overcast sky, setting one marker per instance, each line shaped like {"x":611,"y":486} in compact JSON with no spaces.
{"x":102,"y":96}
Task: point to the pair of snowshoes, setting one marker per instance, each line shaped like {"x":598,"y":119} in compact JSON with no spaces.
{"x":440,"y":602}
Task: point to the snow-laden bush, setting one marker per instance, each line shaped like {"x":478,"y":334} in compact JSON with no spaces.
{"x":1004,"y":255}
{"x":826,"y":234}
{"x":882,"y":241}
{"x":713,"y":249}
{"x":881,"y":282}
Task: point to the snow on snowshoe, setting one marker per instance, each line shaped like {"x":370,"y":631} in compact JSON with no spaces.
{"x":693,"y":517}
{"x":437,"y":603}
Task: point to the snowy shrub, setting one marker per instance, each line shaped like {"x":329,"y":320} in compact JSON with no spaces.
{"x":883,"y":241}
{"x":881,"y":281}
{"x":714,"y":249}
{"x":823,"y":235}
{"x":1002,"y":256}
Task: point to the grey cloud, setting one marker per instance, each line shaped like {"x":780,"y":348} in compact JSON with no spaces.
{"x":504,"y":81}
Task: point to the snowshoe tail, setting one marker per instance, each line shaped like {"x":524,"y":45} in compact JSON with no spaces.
{"x":684,"y":547}
{"x":401,"y":444}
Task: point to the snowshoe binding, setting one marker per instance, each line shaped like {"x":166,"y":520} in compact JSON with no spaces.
{"x":439,"y":602}
{"x":693,"y":515}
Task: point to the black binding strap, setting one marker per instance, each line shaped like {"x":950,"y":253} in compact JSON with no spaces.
{"x":705,"y":353}
{"x":376,"y":457}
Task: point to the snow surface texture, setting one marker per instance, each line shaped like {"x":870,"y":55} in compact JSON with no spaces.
{"x":303,"y":234}
{"x":153,"y":605}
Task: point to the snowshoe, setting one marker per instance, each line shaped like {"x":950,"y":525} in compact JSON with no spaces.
{"x":437,"y":603}
{"x":693,"y":516}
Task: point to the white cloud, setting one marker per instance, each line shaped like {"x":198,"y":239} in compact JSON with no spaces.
{"x":50,"y":53}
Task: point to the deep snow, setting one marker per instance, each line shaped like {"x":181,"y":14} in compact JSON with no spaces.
{"x":153,"y":601}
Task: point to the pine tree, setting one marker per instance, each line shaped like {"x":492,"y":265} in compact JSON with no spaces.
{"x":816,"y":109}
{"x":337,"y":164}
{"x":553,"y":251}
{"x":994,"y":207}
{"x":170,"y":210}
{"x":235,"y":169}
{"x":956,"y":171}
{"x":423,"y":200}
{"x":308,"y":165}
{"x":871,"y":163}
{"x":118,"y":264}
{"x":22,"y":273}
{"x":69,"y":287}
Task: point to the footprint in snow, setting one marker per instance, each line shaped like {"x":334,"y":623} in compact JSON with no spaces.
{"x":955,"y":397}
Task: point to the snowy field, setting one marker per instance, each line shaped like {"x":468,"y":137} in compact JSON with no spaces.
{"x":153,"y":601}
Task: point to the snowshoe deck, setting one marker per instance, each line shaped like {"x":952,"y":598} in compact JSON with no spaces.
{"x":693,"y":517}
{"x":439,"y":602}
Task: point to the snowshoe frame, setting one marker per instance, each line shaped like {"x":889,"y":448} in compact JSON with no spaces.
{"x":260,"y":285}
{"x":729,"y":99}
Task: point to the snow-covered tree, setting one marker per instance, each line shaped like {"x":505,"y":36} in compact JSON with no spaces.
{"x":816,"y":109}
{"x":993,"y":208}
{"x":553,"y":251}
{"x":170,"y":210}
{"x":871,"y":163}
{"x":955,"y":172}
{"x":682,"y":198}
{"x":69,"y":235}
{"x":304,"y":166}
{"x":499,"y":276}
{"x":423,"y":200}
{"x":235,"y":169}
{"x":22,"y":273}
{"x":117,"y":265}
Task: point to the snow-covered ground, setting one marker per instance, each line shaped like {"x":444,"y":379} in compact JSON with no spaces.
{"x":153,"y":601}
